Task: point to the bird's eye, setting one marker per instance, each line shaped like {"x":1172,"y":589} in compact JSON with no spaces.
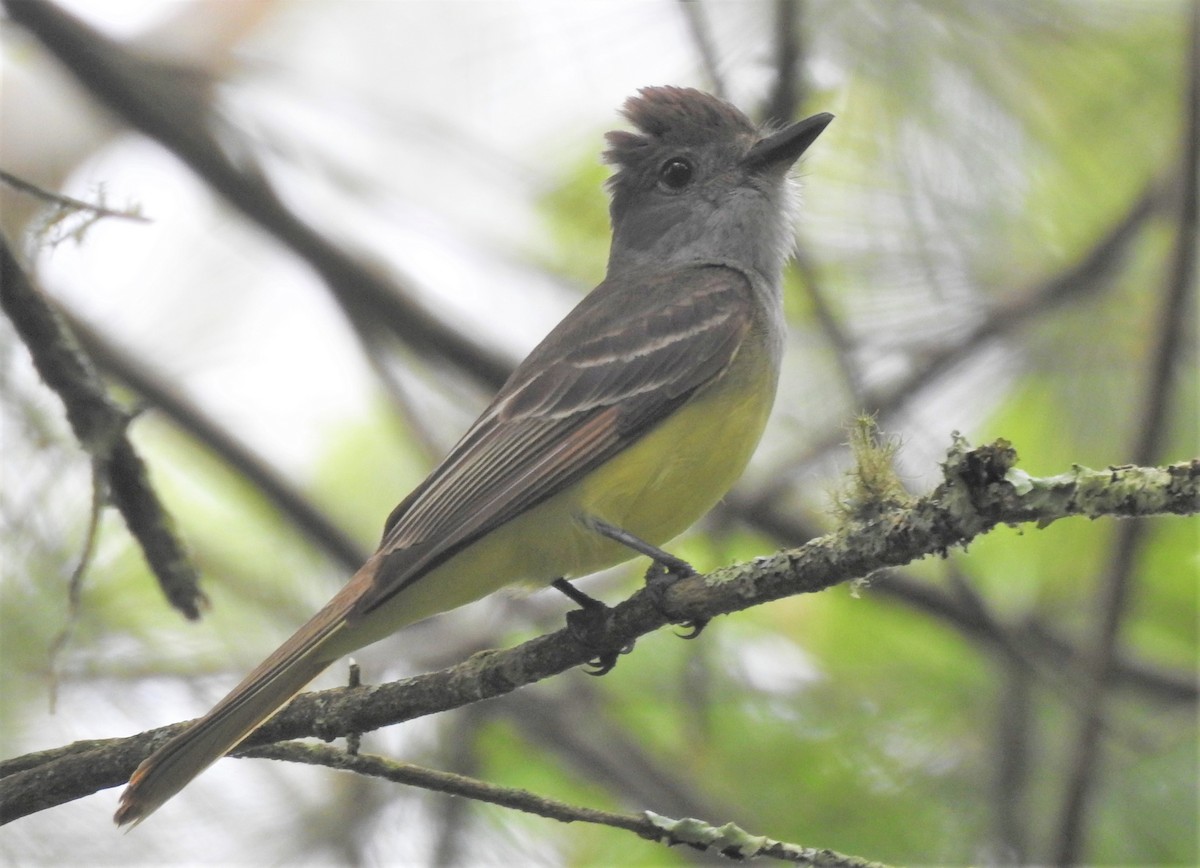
{"x":675,"y":174}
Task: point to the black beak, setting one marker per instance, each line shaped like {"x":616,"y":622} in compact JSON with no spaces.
{"x":783,"y":148}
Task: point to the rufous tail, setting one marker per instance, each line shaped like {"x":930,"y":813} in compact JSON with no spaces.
{"x":259,"y":696}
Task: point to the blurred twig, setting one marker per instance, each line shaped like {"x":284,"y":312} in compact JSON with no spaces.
{"x":782,"y":106}
{"x":574,"y":726}
{"x":451,"y":815}
{"x":839,"y":338}
{"x":1014,"y":757}
{"x":701,"y":33}
{"x":75,"y":585}
{"x":375,"y":345}
{"x":171,"y":105}
{"x":100,"y":427}
{"x":64,"y":205}
{"x":788,"y":91}
{"x":1116,"y":585}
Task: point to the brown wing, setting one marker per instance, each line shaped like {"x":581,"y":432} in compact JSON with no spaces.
{"x":625,"y":358}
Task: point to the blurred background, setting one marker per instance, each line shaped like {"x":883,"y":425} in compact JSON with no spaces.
{"x":991,"y":241}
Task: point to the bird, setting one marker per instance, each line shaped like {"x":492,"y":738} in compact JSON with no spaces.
{"x":627,"y":423}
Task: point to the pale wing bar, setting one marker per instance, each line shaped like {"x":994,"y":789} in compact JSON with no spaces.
{"x":551,"y":426}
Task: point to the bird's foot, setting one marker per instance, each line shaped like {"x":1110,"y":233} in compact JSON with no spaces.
{"x":661,"y":576}
{"x":590,"y":626}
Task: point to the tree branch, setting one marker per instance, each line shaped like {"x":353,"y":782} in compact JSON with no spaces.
{"x":981,"y":488}
{"x":100,"y":426}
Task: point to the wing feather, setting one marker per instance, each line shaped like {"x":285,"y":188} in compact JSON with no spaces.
{"x":624,"y":359}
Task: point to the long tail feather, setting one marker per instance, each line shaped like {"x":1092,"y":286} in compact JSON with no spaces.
{"x":259,"y":696}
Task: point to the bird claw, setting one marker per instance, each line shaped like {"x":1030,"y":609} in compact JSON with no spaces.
{"x":605,"y":662}
{"x":659,"y":579}
{"x":694,"y":628}
{"x":589,"y":627}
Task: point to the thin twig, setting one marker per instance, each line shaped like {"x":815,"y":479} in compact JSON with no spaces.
{"x":75,"y":584}
{"x":701,"y":33}
{"x":451,"y":815}
{"x":68,"y":203}
{"x":838,"y":337}
{"x":727,"y":840}
{"x":572,"y":726}
{"x":788,"y":92}
{"x":1014,"y":756}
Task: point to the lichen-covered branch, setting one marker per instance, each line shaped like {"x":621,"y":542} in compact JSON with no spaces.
{"x":981,"y":489}
{"x":100,"y":425}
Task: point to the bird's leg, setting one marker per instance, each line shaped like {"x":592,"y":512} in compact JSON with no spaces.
{"x":665,"y":570}
{"x":589,"y":625}
{"x":576,"y":596}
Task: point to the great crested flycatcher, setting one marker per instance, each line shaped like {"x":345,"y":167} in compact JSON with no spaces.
{"x":626,"y":424}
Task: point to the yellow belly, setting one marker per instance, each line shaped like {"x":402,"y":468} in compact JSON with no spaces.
{"x":655,"y":489}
